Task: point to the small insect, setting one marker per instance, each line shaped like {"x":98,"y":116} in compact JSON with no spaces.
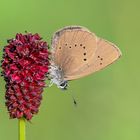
{"x":77,"y":52}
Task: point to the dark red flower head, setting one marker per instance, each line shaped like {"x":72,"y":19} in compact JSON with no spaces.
{"x":25,"y":65}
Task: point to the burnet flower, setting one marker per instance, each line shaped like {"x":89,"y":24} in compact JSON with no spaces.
{"x":25,"y":65}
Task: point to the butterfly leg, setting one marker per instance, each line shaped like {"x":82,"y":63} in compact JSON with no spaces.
{"x":50,"y":84}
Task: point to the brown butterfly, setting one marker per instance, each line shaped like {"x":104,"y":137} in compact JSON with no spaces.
{"x":77,"y":52}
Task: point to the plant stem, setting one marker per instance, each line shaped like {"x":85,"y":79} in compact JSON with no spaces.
{"x":21,"y":129}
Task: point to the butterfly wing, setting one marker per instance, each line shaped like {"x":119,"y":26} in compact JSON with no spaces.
{"x":71,"y":48}
{"x":106,"y":53}
{"x":79,"y":52}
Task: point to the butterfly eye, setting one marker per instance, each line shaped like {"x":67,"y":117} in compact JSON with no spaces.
{"x":85,"y":59}
{"x":84,"y":47}
{"x":84,"y":53}
{"x":80,"y":44}
{"x":75,"y":45}
{"x":62,"y":84}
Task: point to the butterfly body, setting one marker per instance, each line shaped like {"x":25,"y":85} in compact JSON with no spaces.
{"x":57,"y":77}
{"x":77,"y":52}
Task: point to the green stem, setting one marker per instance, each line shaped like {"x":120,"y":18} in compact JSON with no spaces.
{"x":22,"y":129}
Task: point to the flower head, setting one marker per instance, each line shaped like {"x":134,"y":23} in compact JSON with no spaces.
{"x":25,"y":65}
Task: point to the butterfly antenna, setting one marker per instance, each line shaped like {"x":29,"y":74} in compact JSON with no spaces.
{"x":74,"y":101}
{"x":50,"y":84}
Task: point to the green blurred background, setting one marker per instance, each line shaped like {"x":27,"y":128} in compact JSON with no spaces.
{"x":109,"y":100}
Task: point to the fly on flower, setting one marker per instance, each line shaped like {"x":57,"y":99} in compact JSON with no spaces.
{"x":77,"y":52}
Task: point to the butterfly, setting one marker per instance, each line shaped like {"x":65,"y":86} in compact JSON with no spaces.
{"x":76,"y":52}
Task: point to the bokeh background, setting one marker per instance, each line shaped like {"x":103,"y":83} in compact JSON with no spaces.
{"x":109,"y":100}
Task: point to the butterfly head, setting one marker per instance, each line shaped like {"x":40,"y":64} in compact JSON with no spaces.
{"x":63,"y":85}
